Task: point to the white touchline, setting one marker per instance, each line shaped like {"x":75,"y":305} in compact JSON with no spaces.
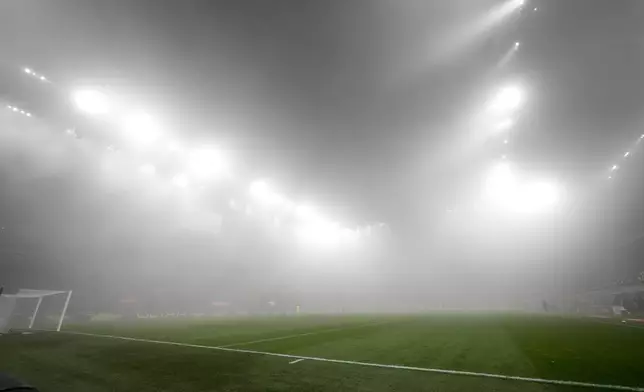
{"x":305,"y":334}
{"x":376,"y":365}
{"x":296,"y":361}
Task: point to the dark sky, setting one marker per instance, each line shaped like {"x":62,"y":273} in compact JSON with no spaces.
{"x":350,"y":102}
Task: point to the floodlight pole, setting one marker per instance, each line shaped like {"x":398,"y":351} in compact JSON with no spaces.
{"x":62,"y":316}
{"x":33,"y":317}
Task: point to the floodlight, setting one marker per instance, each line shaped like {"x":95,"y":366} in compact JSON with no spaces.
{"x":91,"y":102}
{"x":615,"y":167}
{"x":148,"y":169}
{"x":43,"y":78}
{"x":261,"y":191}
{"x":500,"y":185}
{"x":27,"y":70}
{"x":538,"y":196}
{"x":505,"y":124}
{"x":507,"y":99}
{"x":209,"y":162}
{"x":142,"y":128}
{"x":626,"y":154}
{"x":180,"y":180}
{"x":517,"y":44}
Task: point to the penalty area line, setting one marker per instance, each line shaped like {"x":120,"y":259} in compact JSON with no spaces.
{"x":369,"y":364}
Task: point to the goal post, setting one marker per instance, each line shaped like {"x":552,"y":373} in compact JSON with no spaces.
{"x":34,"y":309}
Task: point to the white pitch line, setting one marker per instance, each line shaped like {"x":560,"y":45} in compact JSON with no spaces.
{"x":296,"y":361}
{"x":376,"y":365}
{"x":600,"y":321}
{"x":304,"y":334}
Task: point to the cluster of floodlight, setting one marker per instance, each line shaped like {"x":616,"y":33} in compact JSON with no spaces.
{"x":92,"y":102}
{"x":503,"y":107}
{"x":204,"y":163}
{"x":505,"y":189}
{"x":615,"y":167}
{"x":141,"y":129}
{"x":503,"y":186}
{"x":312,"y":227}
{"x":18,"y":110}
{"x":506,"y":101}
{"x":35,"y":75}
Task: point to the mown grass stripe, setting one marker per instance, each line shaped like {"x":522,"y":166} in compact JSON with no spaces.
{"x":375,"y":365}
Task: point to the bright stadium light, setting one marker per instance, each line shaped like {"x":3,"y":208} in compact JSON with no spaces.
{"x":507,"y":99}
{"x":517,"y":44}
{"x":142,"y":128}
{"x":615,"y":167}
{"x":261,"y":191}
{"x":148,"y":169}
{"x":91,"y":102}
{"x":501,"y":184}
{"x":538,"y":197}
{"x":626,"y":154}
{"x":28,"y":71}
{"x":208,"y":163}
{"x":505,"y":124}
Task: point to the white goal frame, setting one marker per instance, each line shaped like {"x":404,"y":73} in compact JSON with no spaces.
{"x":40,"y":294}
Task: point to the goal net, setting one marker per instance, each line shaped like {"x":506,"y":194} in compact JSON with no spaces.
{"x":33,"y":309}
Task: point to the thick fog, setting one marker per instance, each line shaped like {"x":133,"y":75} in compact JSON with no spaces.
{"x":369,"y":112}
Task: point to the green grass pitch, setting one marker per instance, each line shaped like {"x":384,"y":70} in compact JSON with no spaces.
{"x":545,"y":347}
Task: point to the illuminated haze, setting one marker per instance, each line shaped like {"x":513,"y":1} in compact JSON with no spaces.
{"x":374,"y":112}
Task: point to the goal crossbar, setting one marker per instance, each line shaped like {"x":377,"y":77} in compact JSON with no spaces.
{"x":40,"y":294}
